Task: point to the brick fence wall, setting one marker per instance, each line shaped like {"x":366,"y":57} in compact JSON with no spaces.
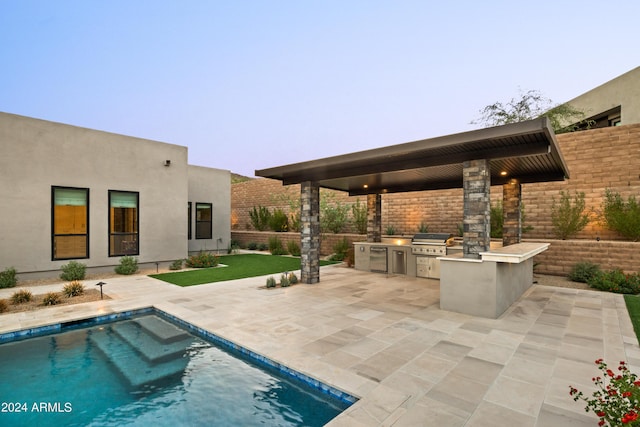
{"x":597,"y":159}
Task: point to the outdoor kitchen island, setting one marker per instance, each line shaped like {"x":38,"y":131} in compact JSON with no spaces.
{"x":416,"y":257}
{"x":487,"y":286}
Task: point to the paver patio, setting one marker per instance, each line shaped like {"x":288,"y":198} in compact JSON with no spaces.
{"x":384,"y":339}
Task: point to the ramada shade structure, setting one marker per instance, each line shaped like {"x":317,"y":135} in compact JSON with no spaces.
{"x":527,"y":151}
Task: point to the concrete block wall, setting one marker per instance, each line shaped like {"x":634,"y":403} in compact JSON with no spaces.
{"x":327,"y":241}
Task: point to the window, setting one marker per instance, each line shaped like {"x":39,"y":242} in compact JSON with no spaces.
{"x":189,"y":220}
{"x":69,"y":223}
{"x":123,"y":223}
{"x":203,"y":221}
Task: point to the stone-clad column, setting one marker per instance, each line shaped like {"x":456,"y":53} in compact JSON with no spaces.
{"x":512,"y":212}
{"x":310,"y":232}
{"x":477,"y":208}
{"x":374,"y":218}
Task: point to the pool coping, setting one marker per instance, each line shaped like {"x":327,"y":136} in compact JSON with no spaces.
{"x":56,"y":328}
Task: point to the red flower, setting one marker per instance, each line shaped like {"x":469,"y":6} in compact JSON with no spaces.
{"x":610,"y":372}
{"x":626,"y":394}
{"x":599,"y":361}
{"x":601,"y":413}
{"x":631,"y":416}
{"x":601,"y":423}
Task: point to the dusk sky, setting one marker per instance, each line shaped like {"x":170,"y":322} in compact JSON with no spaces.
{"x":250,"y":85}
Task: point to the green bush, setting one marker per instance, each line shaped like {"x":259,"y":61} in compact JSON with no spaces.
{"x":271,"y":282}
{"x":293,"y":279}
{"x":333,"y":217}
{"x":22,"y":296}
{"x":340,"y":249}
{"x":52,"y":298}
{"x":390,"y":230}
{"x":73,"y":289}
{"x":423,"y":228}
{"x":263,"y":247}
{"x":252,"y":246}
{"x":128,"y":265}
{"x":8,"y":278}
{"x":260,"y":217}
{"x":583,"y":272}
{"x":202,"y":260}
{"x":359,"y":213}
{"x":293,"y":248}
{"x":616,"y":281}
{"x":567,"y":216}
{"x":176,"y":265}
{"x":279,"y":221}
{"x":621,"y":216}
{"x":234,"y":245}
{"x":284,"y":280}
{"x":3,"y":306}
{"x":73,"y":271}
{"x":275,"y":246}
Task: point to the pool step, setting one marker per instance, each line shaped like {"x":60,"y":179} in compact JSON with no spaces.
{"x":139,"y":357}
{"x":150,"y":348}
{"x":162,"y":330}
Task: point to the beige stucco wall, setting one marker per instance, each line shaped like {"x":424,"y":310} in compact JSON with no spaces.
{"x":213,"y":186}
{"x":622,"y":91}
{"x":36,"y":155}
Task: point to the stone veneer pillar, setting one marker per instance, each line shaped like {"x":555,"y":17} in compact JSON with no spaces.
{"x":512,"y":212}
{"x":310,"y":232}
{"x":374,"y":218}
{"x":477,"y":208}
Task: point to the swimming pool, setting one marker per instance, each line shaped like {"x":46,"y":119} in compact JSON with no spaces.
{"x":149,"y":370}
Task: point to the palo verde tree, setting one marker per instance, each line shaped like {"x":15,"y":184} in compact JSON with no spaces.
{"x":531,"y":105}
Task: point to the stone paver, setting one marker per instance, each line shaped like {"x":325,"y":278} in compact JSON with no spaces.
{"x":384,"y":339}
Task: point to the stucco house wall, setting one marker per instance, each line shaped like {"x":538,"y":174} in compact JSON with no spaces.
{"x":213,"y":186}
{"x":36,"y":155}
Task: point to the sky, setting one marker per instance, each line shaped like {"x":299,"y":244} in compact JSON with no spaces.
{"x":255,"y":84}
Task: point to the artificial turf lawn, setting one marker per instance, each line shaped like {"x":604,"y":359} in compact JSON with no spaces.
{"x":237,"y":267}
{"x":633,"y":307}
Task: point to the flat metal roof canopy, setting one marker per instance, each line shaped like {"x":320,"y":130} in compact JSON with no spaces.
{"x":527,"y":151}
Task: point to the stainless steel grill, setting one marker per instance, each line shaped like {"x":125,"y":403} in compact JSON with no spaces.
{"x":431,"y":243}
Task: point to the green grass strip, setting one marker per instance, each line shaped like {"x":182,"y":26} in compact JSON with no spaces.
{"x":633,"y":307}
{"x":238,"y":267}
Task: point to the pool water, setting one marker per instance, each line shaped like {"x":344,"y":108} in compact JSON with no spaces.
{"x":148,"y":371}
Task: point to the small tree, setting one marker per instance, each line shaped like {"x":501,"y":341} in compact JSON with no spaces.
{"x":621,"y":216}
{"x":333,"y":217}
{"x":530,"y":105}
{"x":567,"y":215}
{"x":359,"y":213}
{"x":279,"y":221}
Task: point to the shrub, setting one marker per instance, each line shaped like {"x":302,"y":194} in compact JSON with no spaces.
{"x":202,"y":260}
{"x":252,"y":246}
{"x":621,"y":216}
{"x":617,"y":396}
{"x":263,"y":247}
{"x":279,"y":221}
{"x":275,"y":246}
{"x":176,"y":265}
{"x":567,"y":216}
{"x":333,"y":217}
{"x":583,"y":271}
{"x":390,"y":231}
{"x":293,"y":248}
{"x":284,"y":280}
{"x":271,"y":282}
{"x":423,"y":228}
{"x":359,"y":213}
{"x":234,"y":245}
{"x":260,"y":218}
{"x":22,"y":296}
{"x":73,"y":271}
{"x":8,"y":278}
{"x":52,"y":298}
{"x":128,"y":265}
{"x":3,"y":306}
{"x":73,"y":289}
{"x":616,"y":281}
{"x":497,"y":220}
{"x":340,"y":249}
{"x":293,"y":279}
